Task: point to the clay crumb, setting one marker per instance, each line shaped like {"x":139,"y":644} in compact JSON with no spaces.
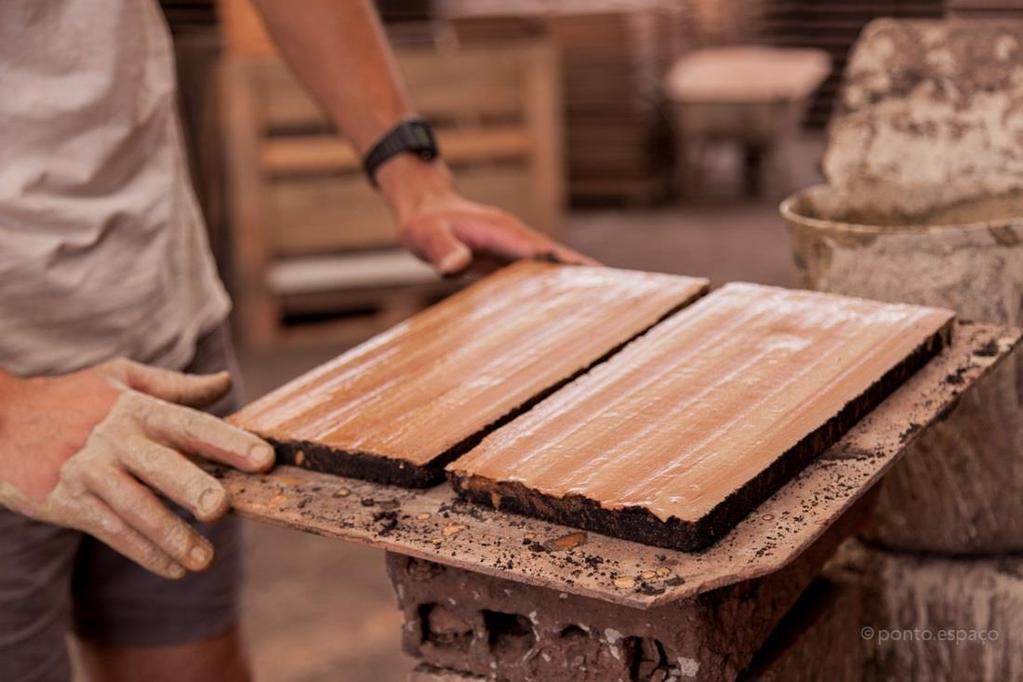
{"x":299,"y":458}
{"x":422,"y":516}
{"x":452,"y":529}
{"x":278,"y":500}
{"x":989,"y":349}
{"x":625,"y":582}
{"x":663,"y":572}
{"x":908,"y":432}
{"x":285,"y":480}
{"x":387,"y":520}
{"x":534,"y":546}
{"x":342,"y":492}
{"x":648,"y":575}
{"x":565,"y":542}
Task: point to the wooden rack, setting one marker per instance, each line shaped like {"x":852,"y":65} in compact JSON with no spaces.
{"x":613,"y":56}
{"x":297,"y":195}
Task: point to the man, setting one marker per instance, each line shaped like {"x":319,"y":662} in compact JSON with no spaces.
{"x":109,"y":294}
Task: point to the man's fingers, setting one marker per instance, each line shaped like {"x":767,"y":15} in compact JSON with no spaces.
{"x":195,"y":390}
{"x":144,"y":512}
{"x":449,"y":240}
{"x":198,"y":433}
{"x":99,"y":520}
{"x":504,"y":235}
{"x":563,"y":254}
{"x":432,"y":240}
{"x":175,"y":476}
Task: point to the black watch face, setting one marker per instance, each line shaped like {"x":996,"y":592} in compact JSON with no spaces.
{"x":413,"y":137}
{"x":422,"y":135}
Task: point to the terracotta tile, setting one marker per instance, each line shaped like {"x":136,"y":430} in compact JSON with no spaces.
{"x":681,"y":434}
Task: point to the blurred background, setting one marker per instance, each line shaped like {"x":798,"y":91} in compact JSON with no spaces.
{"x":650,"y":134}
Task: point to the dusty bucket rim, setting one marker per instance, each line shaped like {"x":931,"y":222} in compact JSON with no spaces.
{"x":787,"y":210}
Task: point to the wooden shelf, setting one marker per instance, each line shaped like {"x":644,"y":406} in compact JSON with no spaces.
{"x":297,"y":190}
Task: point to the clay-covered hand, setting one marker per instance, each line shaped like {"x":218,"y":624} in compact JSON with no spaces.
{"x":450,"y":232}
{"x":87,"y":450}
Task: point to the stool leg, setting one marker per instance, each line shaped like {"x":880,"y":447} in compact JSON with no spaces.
{"x":753,"y":169}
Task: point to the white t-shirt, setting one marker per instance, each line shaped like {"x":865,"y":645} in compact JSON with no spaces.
{"x":102,"y":246}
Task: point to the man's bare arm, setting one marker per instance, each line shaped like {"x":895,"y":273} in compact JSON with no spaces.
{"x":339,"y":51}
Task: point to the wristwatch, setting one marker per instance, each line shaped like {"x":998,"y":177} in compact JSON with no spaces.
{"x":414,"y":136}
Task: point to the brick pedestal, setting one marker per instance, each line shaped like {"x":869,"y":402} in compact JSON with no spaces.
{"x":458,"y":621}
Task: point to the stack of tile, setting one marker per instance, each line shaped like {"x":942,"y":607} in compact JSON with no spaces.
{"x":613,"y":55}
{"x":833,"y":26}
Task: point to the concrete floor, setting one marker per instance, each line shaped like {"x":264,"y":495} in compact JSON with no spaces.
{"x":318,"y":609}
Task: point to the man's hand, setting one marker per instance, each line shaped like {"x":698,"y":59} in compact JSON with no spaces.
{"x":76,"y":451}
{"x":448,"y":231}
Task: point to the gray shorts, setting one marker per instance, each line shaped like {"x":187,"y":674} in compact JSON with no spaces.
{"x":54,"y":580}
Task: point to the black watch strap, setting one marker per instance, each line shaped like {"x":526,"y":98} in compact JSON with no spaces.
{"x":414,"y":136}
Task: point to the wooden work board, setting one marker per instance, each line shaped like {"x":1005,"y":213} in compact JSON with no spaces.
{"x":434,"y":524}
